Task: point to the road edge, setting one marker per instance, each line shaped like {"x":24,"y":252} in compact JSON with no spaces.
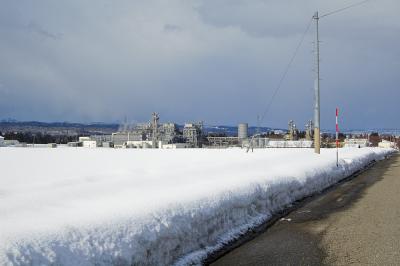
{"x":256,"y":231}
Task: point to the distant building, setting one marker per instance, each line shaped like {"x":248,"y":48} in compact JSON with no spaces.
{"x":21,"y":145}
{"x":192,"y":133}
{"x":278,"y":143}
{"x":74,"y":144}
{"x":120,"y":139}
{"x":82,"y":139}
{"x":11,"y":142}
{"x":168,"y":132}
{"x":292,"y":132}
{"x":152,"y":131}
{"x":107,"y":144}
{"x":386,"y":144}
{"x":309,"y":130}
{"x":89,"y":144}
{"x":1,"y":141}
{"x":139,"y":144}
{"x":224,"y":141}
{"x":174,"y":146}
{"x":100,"y":139}
{"x":356,"y":143}
{"x":150,"y":135}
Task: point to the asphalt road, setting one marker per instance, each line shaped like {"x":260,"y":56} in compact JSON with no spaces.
{"x":357,"y":222}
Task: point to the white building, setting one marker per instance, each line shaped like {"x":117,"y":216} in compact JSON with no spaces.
{"x":10,"y":142}
{"x":82,"y":139}
{"x":356,"y":143}
{"x":289,"y":144}
{"x":273,"y":143}
{"x":386,"y":144}
{"x":140,"y":144}
{"x":174,"y":146}
{"x":1,"y":141}
{"x":89,"y":144}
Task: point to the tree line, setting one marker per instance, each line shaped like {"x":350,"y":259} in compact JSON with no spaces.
{"x":38,"y":138}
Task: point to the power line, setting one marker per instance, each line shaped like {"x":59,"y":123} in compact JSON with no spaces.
{"x":295,"y":54}
{"x":344,"y":8}
{"x":285,"y":72}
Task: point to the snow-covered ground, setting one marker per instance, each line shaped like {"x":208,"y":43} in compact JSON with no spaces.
{"x":76,"y":206}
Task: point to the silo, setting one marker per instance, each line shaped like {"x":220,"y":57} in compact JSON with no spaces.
{"x":243,"y":131}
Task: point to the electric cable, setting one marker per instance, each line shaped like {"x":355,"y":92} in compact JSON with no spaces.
{"x":344,"y":8}
{"x":285,"y":72}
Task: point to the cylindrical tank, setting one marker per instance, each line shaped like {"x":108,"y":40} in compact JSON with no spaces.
{"x":243,"y":130}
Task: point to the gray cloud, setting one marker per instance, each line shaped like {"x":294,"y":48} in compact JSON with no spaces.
{"x":33,"y":27}
{"x":172,"y":28}
{"x":217,"y":61}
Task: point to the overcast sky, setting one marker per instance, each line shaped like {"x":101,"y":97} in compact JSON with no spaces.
{"x":212,"y":60}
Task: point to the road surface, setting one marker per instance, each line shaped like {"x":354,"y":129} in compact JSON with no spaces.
{"x":357,"y":222}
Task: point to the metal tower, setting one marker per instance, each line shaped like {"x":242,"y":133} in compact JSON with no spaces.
{"x":154,"y":124}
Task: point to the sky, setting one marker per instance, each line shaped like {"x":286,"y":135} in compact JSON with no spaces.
{"x":218,"y":61}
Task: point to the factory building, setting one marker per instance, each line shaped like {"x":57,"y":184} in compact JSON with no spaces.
{"x":73,"y":144}
{"x":86,"y":142}
{"x":12,"y":143}
{"x":119,"y":139}
{"x":155,"y":135}
{"x":146,"y":135}
{"x":100,"y":139}
{"x":168,"y":132}
{"x":292,"y":132}
{"x":107,"y":144}
{"x":223,"y":141}
{"x":309,"y":130}
{"x":192,"y":133}
{"x":174,"y":146}
{"x":139,"y":144}
{"x":89,"y":144}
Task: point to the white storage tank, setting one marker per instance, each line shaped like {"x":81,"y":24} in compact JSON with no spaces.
{"x":243,"y":131}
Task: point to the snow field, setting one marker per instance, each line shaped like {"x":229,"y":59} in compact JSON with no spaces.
{"x":77,"y":206}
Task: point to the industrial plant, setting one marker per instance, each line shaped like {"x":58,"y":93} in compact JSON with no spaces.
{"x":152,"y":134}
{"x":156,"y":135}
{"x":168,"y":135}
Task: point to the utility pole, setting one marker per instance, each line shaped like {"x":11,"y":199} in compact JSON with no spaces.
{"x":317,"y":137}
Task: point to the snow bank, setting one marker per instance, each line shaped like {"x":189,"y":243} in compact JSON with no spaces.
{"x":150,"y":207}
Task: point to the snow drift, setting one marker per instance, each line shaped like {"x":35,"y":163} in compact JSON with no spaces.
{"x":76,"y":206}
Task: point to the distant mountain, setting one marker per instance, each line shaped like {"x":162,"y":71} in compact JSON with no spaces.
{"x":57,"y":128}
{"x":381,"y":131}
{"x":56,"y":124}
